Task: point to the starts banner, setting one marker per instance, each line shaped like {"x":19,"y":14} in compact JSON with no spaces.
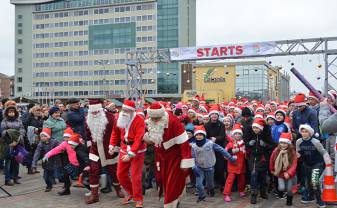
{"x":222,"y":51}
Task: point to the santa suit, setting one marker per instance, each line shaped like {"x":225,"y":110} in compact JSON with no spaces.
{"x":131,"y":143}
{"x":99,"y":153}
{"x":172,"y":155}
{"x":237,"y":169}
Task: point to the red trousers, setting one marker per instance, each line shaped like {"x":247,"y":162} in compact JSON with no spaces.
{"x":230,"y":180}
{"x":135,"y":166}
{"x":95,"y":172}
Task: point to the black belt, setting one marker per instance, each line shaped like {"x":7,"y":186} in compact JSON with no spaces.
{"x":128,"y":143}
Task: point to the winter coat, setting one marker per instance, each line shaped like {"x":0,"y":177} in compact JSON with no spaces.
{"x":32,"y":121}
{"x":12,"y":123}
{"x":277,"y":130}
{"x":307,"y":116}
{"x":257,"y":154}
{"x":216,"y":130}
{"x":57,"y":127}
{"x":240,"y":165}
{"x":64,"y":147}
{"x":82,"y":156}
{"x":246,"y":127}
{"x":8,"y":141}
{"x":76,"y":119}
{"x":42,"y":149}
{"x":327,"y":120}
{"x":291,"y":168}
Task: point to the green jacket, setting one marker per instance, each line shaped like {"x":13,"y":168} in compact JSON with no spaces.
{"x":9,"y":140}
{"x":57,"y":127}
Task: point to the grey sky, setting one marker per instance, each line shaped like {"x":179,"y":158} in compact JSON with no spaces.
{"x":239,"y":21}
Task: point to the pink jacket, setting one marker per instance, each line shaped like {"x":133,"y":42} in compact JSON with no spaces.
{"x":64,"y":146}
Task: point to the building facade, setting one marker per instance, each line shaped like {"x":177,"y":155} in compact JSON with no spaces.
{"x":77,"y":48}
{"x":250,"y":79}
{"x":6,"y":83}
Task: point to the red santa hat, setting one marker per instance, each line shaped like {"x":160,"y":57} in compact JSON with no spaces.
{"x":74,"y":139}
{"x":280,"y":110}
{"x":214,"y":110}
{"x":260,"y":108}
{"x":287,"y":122}
{"x":286,"y":138}
{"x":95,"y":105}
{"x":231,"y":105}
{"x":46,"y":132}
{"x":199,"y":130}
{"x":191,"y":111}
{"x":258,"y":115}
{"x":237,"y":129}
{"x":271,"y":115}
{"x":312,"y":95}
{"x":267,"y":106}
{"x":273,"y":102}
{"x":129,"y":104}
{"x":156,"y":110}
{"x":333,"y":95}
{"x":239,"y":110}
{"x":300,"y":99}
{"x":258,"y":123}
{"x":205,"y":115}
{"x":308,"y":128}
{"x":196,"y":98}
{"x":68,"y":132}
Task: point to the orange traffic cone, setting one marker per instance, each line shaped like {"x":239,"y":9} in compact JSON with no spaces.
{"x":329,"y":190}
{"x":79,"y":181}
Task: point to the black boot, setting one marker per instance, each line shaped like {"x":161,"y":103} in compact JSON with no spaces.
{"x":253,"y":199}
{"x":211,"y":193}
{"x":263,"y":193}
{"x":66,"y":190}
{"x":289,"y":200}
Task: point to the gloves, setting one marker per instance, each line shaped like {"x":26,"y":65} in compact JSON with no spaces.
{"x":111,"y":150}
{"x":233,"y":159}
{"x":262,"y":143}
{"x":45,"y":159}
{"x":235,"y":150}
{"x":252,"y":142}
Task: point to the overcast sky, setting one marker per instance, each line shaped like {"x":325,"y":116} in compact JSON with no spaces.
{"x":239,"y":21}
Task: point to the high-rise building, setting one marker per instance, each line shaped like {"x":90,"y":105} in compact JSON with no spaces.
{"x":77,"y":48}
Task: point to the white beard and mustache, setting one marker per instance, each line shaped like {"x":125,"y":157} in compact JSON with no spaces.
{"x":97,"y":124}
{"x":123,"y":120}
{"x":156,"y":130}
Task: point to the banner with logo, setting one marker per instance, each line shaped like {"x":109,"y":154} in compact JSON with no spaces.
{"x":222,"y":51}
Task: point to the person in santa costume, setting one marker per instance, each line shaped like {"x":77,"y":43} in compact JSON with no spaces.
{"x":128,"y":132}
{"x":173,"y":152}
{"x":98,"y":129}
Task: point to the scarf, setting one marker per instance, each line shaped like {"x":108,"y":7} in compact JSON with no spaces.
{"x":200,"y":143}
{"x":281,"y":162}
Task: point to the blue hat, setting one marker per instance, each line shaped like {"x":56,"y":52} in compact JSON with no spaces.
{"x":189,"y":127}
{"x":53,"y":110}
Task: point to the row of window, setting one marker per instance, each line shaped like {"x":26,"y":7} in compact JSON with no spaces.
{"x":82,"y":93}
{"x":94,"y":22}
{"x":78,"y":63}
{"x":146,"y":39}
{"x":60,"y":34}
{"x":81,"y":53}
{"x":94,"y":11}
{"x":81,"y":83}
{"x":61,"y":44}
{"x":88,"y":73}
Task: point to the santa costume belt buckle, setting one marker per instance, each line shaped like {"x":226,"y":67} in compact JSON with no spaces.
{"x":128,"y":148}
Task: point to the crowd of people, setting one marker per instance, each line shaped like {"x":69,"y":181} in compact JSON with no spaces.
{"x":245,"y":146}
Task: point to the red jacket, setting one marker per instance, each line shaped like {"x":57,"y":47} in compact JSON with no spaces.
{"x":240,"y":165}
{"x":291,"y":169}
{"x":134,"y":134}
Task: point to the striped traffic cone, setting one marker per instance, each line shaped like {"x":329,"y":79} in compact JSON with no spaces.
{"x":329,"y":190}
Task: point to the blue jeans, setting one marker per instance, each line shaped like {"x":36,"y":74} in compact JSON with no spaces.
{"x":11,"y":169}
{"x":202,"y":174}
{"x":48,"y":176}
{"x":2,"y":164}
{"x":258,"y":180}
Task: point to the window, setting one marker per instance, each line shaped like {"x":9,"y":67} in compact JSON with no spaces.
{"x":20,"y":32}
{"x":19,"y":51}
{"x":19,"y":70}
{"x":19,"y":60}
{"x":19,"y":16}
{"x":20,"y":41}
{"x":19,"y":79}
{"x":19,"y":24}
{"x":19,"y":89}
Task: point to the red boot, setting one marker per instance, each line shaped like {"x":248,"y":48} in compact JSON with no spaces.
{"x":119,"y":192}
{"x":93,"y":198}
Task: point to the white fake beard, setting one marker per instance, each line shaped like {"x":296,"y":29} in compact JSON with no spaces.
{"x":156,"y":130}
{"x":97,"y":124}
{"x":123,"y":120}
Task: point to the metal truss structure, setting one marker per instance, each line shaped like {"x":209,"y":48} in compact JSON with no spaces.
{"x":326,"y":46}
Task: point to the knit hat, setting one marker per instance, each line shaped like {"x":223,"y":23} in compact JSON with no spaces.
{"x":259,"y":123}
{"x":53,"y":110}
{"x":199,"y":130}
{"x":308,"y":128}
{"x":271,"y":115}
{"x":129,"y":104}
{"x":286,"y":138}
{"x":189,"y":128}
{"x":246,"y":112}
{"x":46,"y":132}
{"x":237,"y":129}
{"x":300,"y":99}
{"x":311,"y":95}
{"x":9,"y":103}
{"x":156,"y":110}
{"x":74,"y":139}
{"x":68,"y":132}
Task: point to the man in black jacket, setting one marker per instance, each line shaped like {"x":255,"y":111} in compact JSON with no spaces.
{"x":216,"y":132}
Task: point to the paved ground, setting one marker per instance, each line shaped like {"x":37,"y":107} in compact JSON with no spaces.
{"x":31,"y":194}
